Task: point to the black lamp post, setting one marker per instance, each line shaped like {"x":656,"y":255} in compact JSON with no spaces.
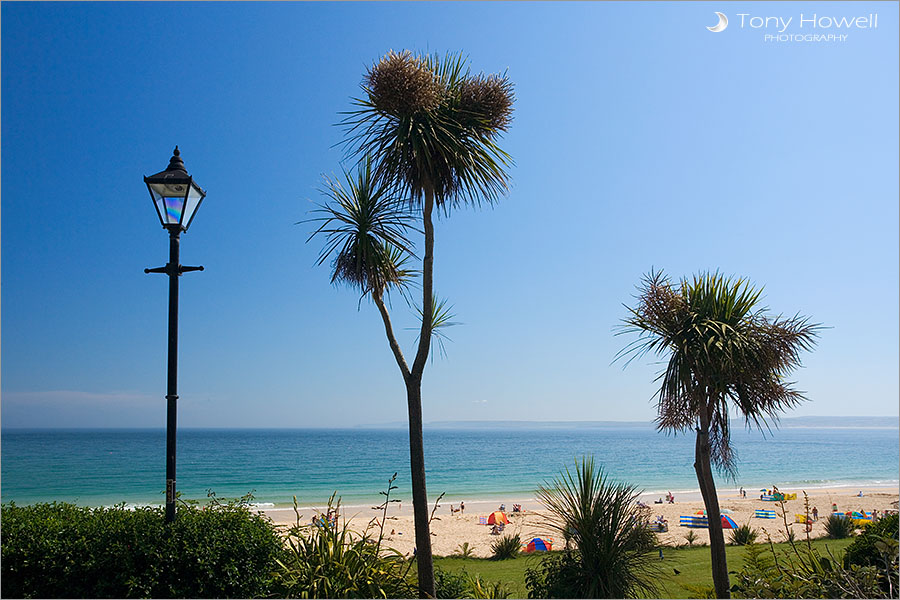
{"x":176,"y":198}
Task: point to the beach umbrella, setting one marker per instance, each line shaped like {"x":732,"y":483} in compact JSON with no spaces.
{"x":497,"y":517}
{"x":728,"y":522}
{"x":538,"y":544}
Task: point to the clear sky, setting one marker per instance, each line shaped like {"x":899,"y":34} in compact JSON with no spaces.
{"x":641,"y":140}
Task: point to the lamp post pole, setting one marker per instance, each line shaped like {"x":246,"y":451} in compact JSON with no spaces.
{"x":171,"y":191}
{"x":172,"y":371}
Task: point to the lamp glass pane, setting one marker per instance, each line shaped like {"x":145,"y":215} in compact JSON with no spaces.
{"x":170,"y":205}
{"x":193,"y":201}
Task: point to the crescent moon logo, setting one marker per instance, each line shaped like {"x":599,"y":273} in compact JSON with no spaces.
{"x":721,"y":25}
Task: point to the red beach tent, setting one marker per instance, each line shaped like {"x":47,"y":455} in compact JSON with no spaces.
{"x":728,"y":522}
{"x":497,"y":517}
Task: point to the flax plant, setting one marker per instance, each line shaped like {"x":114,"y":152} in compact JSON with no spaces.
{"x":608,"y":546}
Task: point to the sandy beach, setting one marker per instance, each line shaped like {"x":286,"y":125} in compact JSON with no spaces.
{"x":449,"y":531}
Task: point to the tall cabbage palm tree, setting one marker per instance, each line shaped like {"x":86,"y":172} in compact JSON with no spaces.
{"x":425,"y":130}
{"x":722,"y":350}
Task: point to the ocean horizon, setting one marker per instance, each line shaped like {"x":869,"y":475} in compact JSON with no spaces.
{"x":104,"y":467}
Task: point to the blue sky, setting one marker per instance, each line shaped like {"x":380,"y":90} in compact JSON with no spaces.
{"x":641,"y":140}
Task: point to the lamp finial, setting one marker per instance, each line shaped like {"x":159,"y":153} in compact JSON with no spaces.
{"x":175,"y":163}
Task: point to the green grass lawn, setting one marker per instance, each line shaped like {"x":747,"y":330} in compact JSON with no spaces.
{"x":693,"y":565}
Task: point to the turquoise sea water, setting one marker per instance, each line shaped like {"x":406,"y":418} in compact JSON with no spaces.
{"x":105,"y":467}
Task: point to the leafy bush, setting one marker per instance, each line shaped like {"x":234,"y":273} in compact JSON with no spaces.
{"x":744,"y":535}
{"x":328,"y":560}
{"x":862,"y":551}
{"x":451,"y":585}
{"x":839,"y":527}
{"x":611,"y":545}
{"x":554,"y":576}
{"x":506,"y":547}
{"x":60,"y":550}
{"x":805,"y":574}
{"x":877,"y":546}
{"x":488,"y":589}
{"x":448,"y":584}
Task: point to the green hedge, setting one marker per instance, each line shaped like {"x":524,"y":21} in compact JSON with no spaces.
{"x":61,"y":550}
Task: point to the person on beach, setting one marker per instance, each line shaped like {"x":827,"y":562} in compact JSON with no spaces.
{"x":834,"y":507}
{"x":462,"y":507}
{"x":815,"y":513}
{"x":502,"y":508}
{"x":495,"y":530}
{"x":743,"y":493}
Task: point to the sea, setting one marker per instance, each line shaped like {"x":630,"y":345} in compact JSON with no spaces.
{"x":106,"y":467}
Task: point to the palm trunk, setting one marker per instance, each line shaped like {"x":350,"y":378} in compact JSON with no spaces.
{"x":703,"y":469}
{"x":424,"y":560}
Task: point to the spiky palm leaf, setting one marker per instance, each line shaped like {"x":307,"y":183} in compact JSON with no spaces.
{"x":441,"y":318}
{"x":365,"y":233}
{"x":433,"y":126}
{"x":601,"y":519}
{"x":720,"y":347}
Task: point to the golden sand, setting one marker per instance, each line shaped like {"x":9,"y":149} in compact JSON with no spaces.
{"x":450,"y":530}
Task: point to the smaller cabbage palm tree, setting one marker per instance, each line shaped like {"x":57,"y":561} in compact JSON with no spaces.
{"x":508,"y":546}
{"x":839,"y":527}
{"x":608,"y":553}
{"x":744,"y":535}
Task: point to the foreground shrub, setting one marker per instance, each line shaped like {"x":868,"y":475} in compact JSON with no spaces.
{"x":607,"y":544}
{"x":448,"y":584}
{"x":328,"y":560}
{"x":744,"y":535}
{"x":803,"y":574}
{"x":61,"y":550}
{"x":877,"y":546}
{"x":506,"y":547}
{"x":839,"y":527}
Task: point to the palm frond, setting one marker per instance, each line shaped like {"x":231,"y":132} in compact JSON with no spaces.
{"x":365,"y":229}
{"x":431,"y":125}
{"x":441,"y":318}
{"x":721,"y":351}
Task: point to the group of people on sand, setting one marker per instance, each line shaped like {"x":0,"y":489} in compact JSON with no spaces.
{"x":461,"y":510}
{"x":670,"y":498}
{"x":327,"y":520}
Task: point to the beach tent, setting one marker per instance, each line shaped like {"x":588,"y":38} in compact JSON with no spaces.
{"x":497,"y":517}
{"x":728,"y":522}
{"x":539,"y":544}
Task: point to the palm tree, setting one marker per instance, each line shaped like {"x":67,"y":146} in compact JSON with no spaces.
{"x":425,"y":130}
{"x":721,"y":347}
{"x":610,"y":542}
